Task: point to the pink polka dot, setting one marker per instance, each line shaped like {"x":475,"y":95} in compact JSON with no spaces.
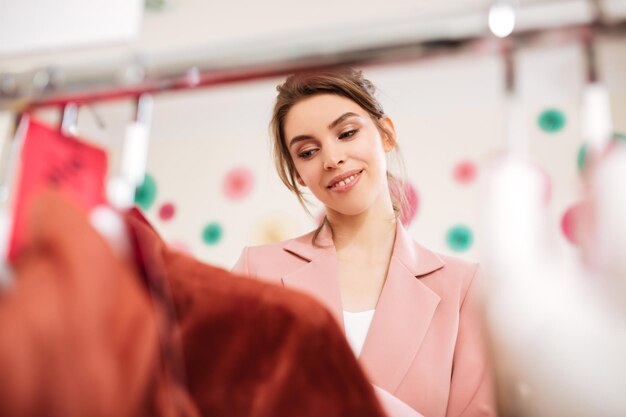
{"x":238,"y":183}
{"x":571,"y":223}
{"x":167,"y":211}
{"x":465,"y":172}
{"x":410,"y":210}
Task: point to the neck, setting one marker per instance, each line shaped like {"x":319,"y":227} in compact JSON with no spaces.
{"x":367,"y":237}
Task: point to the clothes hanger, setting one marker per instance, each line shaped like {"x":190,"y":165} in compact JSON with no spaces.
{"x":122,"y":187}
{"x":557,"y":331}
{"x":120,"y":191}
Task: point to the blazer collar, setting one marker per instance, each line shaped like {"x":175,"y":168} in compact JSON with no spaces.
{"x":403,"y":315}
{"x":303,"y":246}
{"x":318,"y":274}
{"x":417,"y":259}
{"x":404,"y":310}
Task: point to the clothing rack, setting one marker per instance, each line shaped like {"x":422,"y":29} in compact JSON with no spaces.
{"x":409,"y":40}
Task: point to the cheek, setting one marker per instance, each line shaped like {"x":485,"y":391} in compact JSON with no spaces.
{"x":373,"y":152}
{"x":306,"y":174}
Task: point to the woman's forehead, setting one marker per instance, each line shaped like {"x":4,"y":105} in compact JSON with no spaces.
{"x":319,"y":111}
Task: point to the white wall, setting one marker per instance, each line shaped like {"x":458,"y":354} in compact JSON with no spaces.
{"x":446,"y":110}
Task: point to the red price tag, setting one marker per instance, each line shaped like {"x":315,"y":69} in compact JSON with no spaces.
{"x":51,"y":160}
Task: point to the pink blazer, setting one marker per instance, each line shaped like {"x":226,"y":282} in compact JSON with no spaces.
{"x":425,"y":344}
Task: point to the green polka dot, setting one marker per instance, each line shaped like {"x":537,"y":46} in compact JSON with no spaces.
{"x":551,"y":120}
{"x":212,"y":234}
{"x":145,"y":194}
{"x":581,"y":158}
{"x":459,"y":238}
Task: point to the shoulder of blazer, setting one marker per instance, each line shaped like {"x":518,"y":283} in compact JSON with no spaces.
{"x":459,"y":266}
{"x":456,"y":273}
{"x":443,"y":274}
{"x":298,"y":246}
{"x":276,"y":259}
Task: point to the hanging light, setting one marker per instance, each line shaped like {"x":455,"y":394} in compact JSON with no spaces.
{"x":502,"y":18}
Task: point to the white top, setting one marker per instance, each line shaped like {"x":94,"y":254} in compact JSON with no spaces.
{"x":357,"y":326}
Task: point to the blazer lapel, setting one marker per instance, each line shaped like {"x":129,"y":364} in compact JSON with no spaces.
{"x":404,"y":311}
{"x":318,"y":274}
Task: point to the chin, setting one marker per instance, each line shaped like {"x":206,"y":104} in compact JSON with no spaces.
{"x":349,"y":209}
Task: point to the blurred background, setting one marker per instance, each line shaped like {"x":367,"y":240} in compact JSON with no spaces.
{"x":443,"y":77}
{"x":538,"y":84}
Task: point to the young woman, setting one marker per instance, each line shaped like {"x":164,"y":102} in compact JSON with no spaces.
{"x":408,"y":313}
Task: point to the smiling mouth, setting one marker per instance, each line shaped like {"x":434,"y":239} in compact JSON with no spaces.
{"x":345,"y":181}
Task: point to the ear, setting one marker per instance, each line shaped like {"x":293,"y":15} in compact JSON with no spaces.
{"x":389,"y":134}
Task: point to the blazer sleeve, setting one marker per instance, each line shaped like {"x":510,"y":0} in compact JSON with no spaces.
{"x":471,"y":389}
{"x":242,"y":266}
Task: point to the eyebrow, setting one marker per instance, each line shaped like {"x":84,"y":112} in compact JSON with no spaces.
{"x":337,"y":121}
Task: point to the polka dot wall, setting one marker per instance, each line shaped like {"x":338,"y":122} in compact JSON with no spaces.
{"x":145,"y":194}
{"x":210,"y":195}
{"x":551,"y":120}
{"x":212,"y":187}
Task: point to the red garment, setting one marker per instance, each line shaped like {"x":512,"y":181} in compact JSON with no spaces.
{"x":80,"y":334}
{"x":255,"y":349}
{"x":77,"y":333}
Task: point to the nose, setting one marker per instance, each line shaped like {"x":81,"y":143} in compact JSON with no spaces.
{"x":333,"y":157}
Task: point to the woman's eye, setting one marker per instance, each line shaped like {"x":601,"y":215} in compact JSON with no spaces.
{"x":306,"y":154}
{"x":348,"y":134}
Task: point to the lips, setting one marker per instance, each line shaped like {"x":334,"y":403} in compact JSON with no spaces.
{"x":344,"y":179}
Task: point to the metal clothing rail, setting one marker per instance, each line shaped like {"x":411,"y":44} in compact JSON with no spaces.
{"x":59,"y":86}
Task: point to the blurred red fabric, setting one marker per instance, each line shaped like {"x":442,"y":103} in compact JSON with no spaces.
{"x":85,"y":333}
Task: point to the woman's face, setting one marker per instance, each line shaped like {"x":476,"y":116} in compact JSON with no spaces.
{"x":338,"y":152}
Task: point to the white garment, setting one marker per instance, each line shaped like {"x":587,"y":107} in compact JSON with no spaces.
{"x":357,"y":326}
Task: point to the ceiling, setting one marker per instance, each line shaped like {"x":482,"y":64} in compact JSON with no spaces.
{"x":85,"y":38}
{"x":35,"y":32}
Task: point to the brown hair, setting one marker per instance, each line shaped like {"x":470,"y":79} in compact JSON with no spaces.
{"x":345,"y":82}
